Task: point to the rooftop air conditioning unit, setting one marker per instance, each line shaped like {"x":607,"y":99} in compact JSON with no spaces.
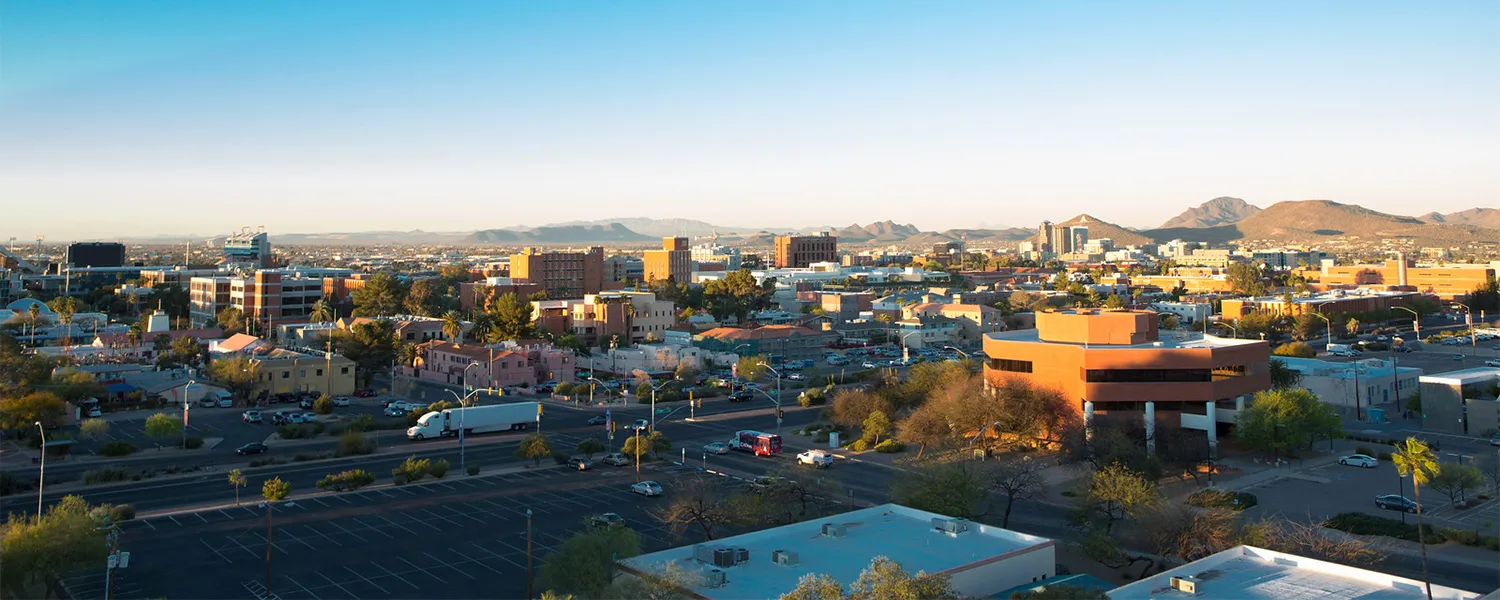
{"x":834,"y":530}
{"x":741,"y":555}
{"x":1186,"y":585}
{"x":714,"y":578}
{"x":785,"y":558}
{"x":950,"y":526}
{"x":723,"y":557}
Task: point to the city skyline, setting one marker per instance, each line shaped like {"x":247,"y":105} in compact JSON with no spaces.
{"x":140,"y":119}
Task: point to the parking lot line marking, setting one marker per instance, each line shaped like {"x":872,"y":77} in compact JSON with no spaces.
{"x":299,"y":540}
{"x":417,"y":569}
{"x":461,"y":482}
{"x":389,"y":573}
{"x":492,"y":554}
{"x":336,"y":584}
{"x":454,"y":523}
{"x":303,"y":588}
{"x":396,"y":525}
{"x":497,"y":507}
{"x":346,"y":500}
{"x":318,"y":501}
{"x":215,"y":551}
{"x":376,"y":529}
{"x":461,"y":513}
{"x":476,"y":562}
{"x":367,"y":580}
{"x":226,"y":515}
{"x":444,"y":486}
{"x":200,"y":516}
{"x":383,"y":493}
{"x":242,"y":546}
{"x":174,"y":520}
{"x":274,"y":543}
{"x":148,"y":524}
{"x":341,"y":528}
{"x":323,"y":535}
{"x":441,"y":563}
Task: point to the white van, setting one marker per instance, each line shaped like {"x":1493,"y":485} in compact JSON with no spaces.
{"x":226,"y":400}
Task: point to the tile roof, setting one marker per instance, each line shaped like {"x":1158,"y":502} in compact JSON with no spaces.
{"x":237,"y":342}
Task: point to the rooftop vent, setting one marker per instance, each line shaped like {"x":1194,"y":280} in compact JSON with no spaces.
{"x":834,"y":530}
{"x":950,"y":526}
{"x":785,"y":558}
{"x":714,"y":578}
{"x":1186,"y":585}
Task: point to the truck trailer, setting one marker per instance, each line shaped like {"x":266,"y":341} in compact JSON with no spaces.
{"x":476,"y":419}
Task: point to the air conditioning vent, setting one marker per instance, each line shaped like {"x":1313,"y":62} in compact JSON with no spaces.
{"x":834,"y":530}
{"x":785,"y":558}
{"x":723,"y":557}
{"x":950,"y":526}
{"x":741,"y":555}
{"x":1186,"y":585}
{"x":703,"y":554}
{"x":714,"y":578}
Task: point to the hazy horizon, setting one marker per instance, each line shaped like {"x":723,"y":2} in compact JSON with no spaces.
{"x":135,"y":119}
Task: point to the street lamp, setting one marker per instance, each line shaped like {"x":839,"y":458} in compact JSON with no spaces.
{"x":528,"y":554}
{"x":186,"y":404}
{"x":42,"y":476}
{"x":778,"y":395}
{"x":776,"y":401}
{"x":1416,"y":322}
{"x":591,"y":388}
{"x":1318,"y":312}
{"x":654,"y":388}
{"x":462,"y":410}
{"x":1469,"y":320}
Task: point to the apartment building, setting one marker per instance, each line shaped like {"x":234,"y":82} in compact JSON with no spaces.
{"x":285,"y":371}
{"x":561,"y":274}
{"x":479,"y":294}
{"x":1447,"y":281}
{"x":674,"y":261}
{"x":1335,"y":302}
{"x":971,"y":320}
{"x":801,"y":251}
{"x":1117,"y":362}
{"x":636,"y":316}
{"x":717,"y":253}
{"x":790,"y":342}
{"x":266,"y":296}
{"x":491,"y":366}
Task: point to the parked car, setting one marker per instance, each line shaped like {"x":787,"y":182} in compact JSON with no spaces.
{"x":363,"y":393}
{"x":816,"y":458}
{"x":1402,"y":349}
{"x":794,"y":377}
{"x":94,"y":411}
{"x":869,"y":365}
{"x":581,"y":464}
{"x":1492,"y":363}
{"x":309,"y":417}
{"x":281,"y":417}
{"x":341,"y":401}
{"x":1458,"y":357}
{"x":394,"y":411}
{"x":252,"y":448}
{"x":251,"y":416}
{"x":763,"y":482}
{"x":1359,"y":460}
{"x":1495,"y":440}
{"x":1394,"y":502}
{"x":305,"y":403}
{"x":545,"y":388}
{"x":615,"y":458}
{"x":716,"y":448}
{"x":294,"y":418}
{"x":647,"y":488}
{"x":598,"y":420}
{"x":606,"y":521}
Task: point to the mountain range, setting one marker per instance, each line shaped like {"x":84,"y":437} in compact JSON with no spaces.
{"x":560,"y":234}
{"x":1488,"y":218}
{"x":1219,"y":211}
{"x":1312,"y":221}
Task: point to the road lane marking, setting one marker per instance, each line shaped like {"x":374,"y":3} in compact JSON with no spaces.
{"x":215,"y":551}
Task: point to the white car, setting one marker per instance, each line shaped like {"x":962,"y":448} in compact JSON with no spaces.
{"x":1359,"y":460}
{"x":1492,"y":363}
{"x":251,"y":416}
{"x":716,"y":448}
{"x":816,"y":458}
{"x":647,"y":488}
{"x":341,"y":401}
{"x":641,"y":424}
{"x":95,"y":412}
{"x":394,"y":411}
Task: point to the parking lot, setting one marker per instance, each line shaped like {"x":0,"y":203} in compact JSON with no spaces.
{"x":458,"y":538}
{"x":1325,"y":491}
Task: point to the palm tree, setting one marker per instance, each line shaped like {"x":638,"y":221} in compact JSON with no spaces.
{"x":64,"y":309}
{"x":1414,"y":458}
{"x":322,"y":312}
{"x":453,"y":325}
{"x":134,"y":337}
{"x":35,"y":312}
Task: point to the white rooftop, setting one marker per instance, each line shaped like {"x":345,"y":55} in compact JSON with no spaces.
{"x":1250,"y":573}
{"x":905,"y":535}
{"x":1182,"y":340}
{"x":1464,"y":376}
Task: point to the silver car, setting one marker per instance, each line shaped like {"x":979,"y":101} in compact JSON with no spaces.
{"x":716,"y":448}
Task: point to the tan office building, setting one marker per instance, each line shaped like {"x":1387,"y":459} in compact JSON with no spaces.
{"x":674,"y":261}
{"x":799,"y":251}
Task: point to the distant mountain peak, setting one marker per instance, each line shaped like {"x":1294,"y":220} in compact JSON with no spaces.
{"x":1218,"y":212}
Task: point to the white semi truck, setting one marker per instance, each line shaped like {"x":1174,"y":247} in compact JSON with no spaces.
{"x":477,"y":419}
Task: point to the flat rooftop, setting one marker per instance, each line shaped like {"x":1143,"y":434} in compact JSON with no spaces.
{"x":1464,"y":376}
{"x":1368,"y":368}
{"x":1336,"y":296}
{"x":1250,"y":573}
{"x":904,"y":535}
{"x":1165,"y":340}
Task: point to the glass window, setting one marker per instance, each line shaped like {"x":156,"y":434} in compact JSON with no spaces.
{"x":320,"y":373}
{"x":344,"y":371}
{"x":1011,"y":366}
{"x":286,"y":374}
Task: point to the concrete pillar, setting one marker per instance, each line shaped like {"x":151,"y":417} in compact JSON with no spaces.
{"x":1088,"y":420}
{"x":1151,"y":427}
{"x":1239,"y":404}
{"x":1213,"y":430}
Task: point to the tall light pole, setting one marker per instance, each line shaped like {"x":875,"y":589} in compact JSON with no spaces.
{"x":591,"y":388}
{"x":1416,"y":322}
{"x":528,"y":554}
{"x":778,"y":395}
{"x":653,"y":400}
{"x":186,"y":404}
{"x":41,"y":479}
{"x":1318,"y":312}
{"x":1469,"y":320}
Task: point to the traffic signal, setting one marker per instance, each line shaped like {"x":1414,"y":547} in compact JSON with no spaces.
{"x":778,"y":412}
{"x":539,"y":409}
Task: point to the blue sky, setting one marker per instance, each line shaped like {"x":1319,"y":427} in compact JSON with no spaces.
{"x":189,"y":117}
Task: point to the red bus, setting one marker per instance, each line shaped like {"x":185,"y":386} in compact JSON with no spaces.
{"x":761,"y":444}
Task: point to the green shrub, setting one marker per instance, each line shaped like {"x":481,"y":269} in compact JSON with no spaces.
{"x":266,"y":461}
{"x":348,"y":480}
{"x":1464,"y":536}
{"x":411,"y":470}
{"x":192,"y":443}
{"x":820,"y":437}
{"x":317,"y":428}
{"x":121,"y":512}
{"x":859,"y":445}
{"x":438,"y":469}
{"x":323,"y":405}
{"x":292,"y":431}
{"x":361,"y":423}
{"x":807,"y":399}
{"x":105,"y":475}
{"x":473,"y":469}
{"x":1363,"y":524}
{"x":308,"y":457}
{"x":353,"y":443}
{"x":890,"y":447}
{"x":116,"y":448}
{"x":1215,"y":498}
{"x":564,"y":389}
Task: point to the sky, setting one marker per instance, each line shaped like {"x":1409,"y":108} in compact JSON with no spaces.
{"x":132,"y":118}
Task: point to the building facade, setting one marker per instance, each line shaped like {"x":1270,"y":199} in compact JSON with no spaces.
{"x":1116,"y":361}
{"x":1447,"y":281}
{"x":801,"y":251}
{"x":674,"y":261}
{"x":265,"y":297}
{"x":1336,"y":302}
{"x":245,"y":246}
{"x":790,"y":342}
{"x":561,"y":274}
{"x":1461,"y":402}
{"x":1354,"y":387}
{"x":717,"y":253}
{"x":634,"y":316}
{"x":95,"y":254}
{"x":491,"y":366}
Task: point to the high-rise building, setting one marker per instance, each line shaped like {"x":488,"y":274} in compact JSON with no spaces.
{"x":95,"y":254}
{"x":799,"y":251}
{"x":562,"y":274}
{"x":674,"y":261}
{"x":1078,"y":237}
{"x":247,"y":246}
{"x":265,"y":297}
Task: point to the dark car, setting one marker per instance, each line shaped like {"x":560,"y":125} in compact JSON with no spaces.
{"x":544,"y":388}
{"x":582,"y":464}
{"x":741,"y":396}
{"x":1394,"y":502}
{"x":598,"y":420}
{"x":363,"y":393}
{"x":251,"y":448}
{"x":305,"y":403}
{"x":1402,"y":349}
